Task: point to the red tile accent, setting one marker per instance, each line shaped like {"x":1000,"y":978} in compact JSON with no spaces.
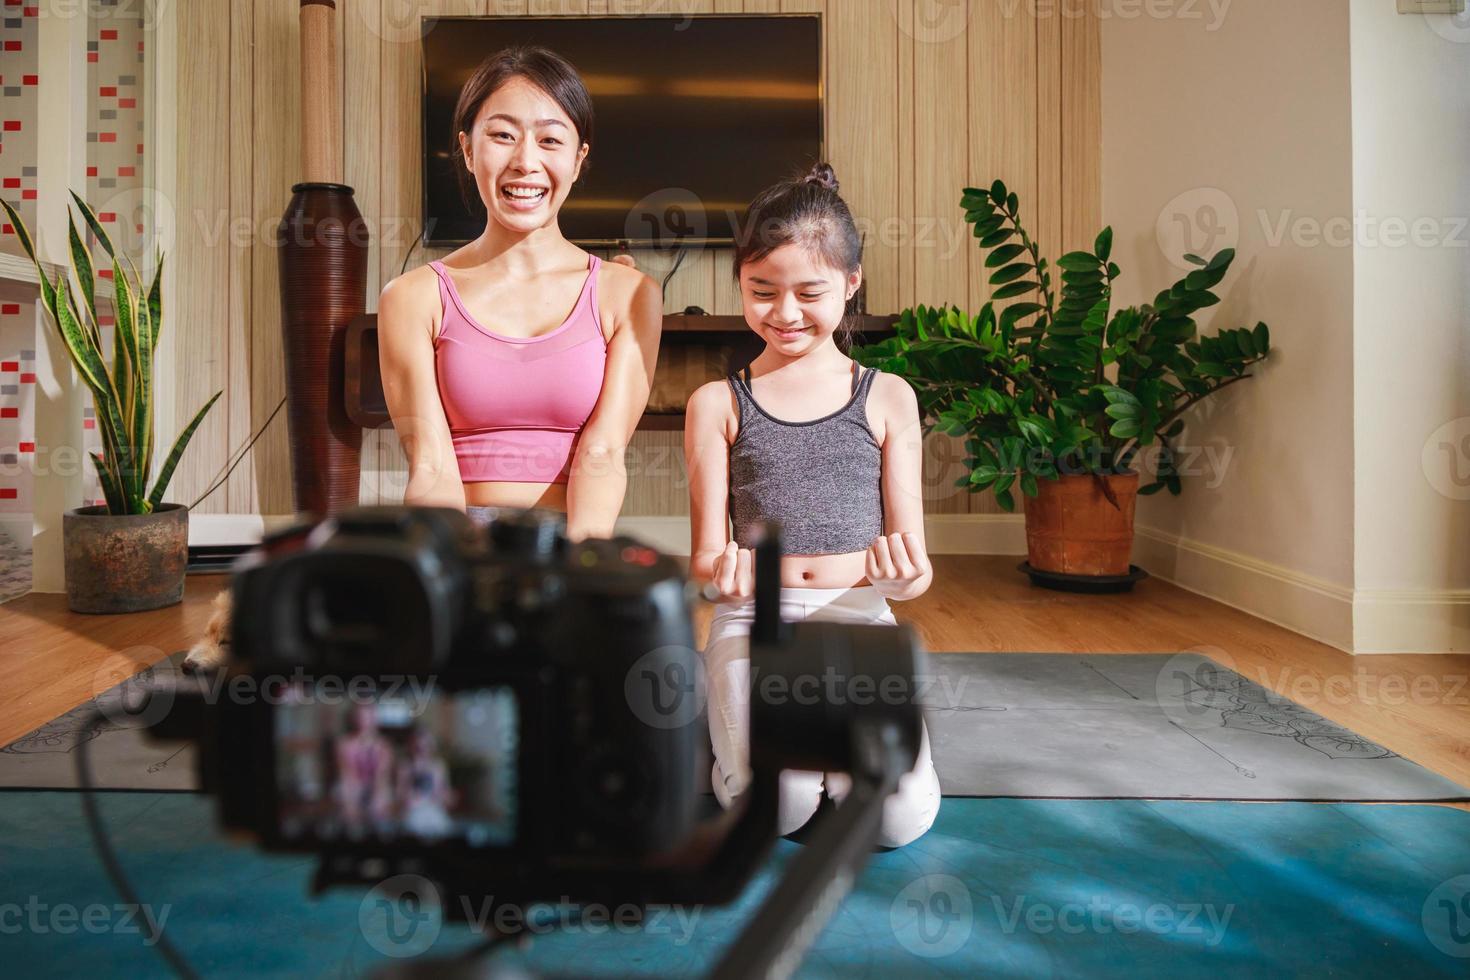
{"x":28,"y":195}
{"x":9,"y":365}
{"x":8,"y":493}
{"x":91,"y":171}
{"x":105,"y":273}
{"x":7,"y":230}
{"x":89,"y":423}
{"x":12,"y":45}
{"x":109,"y":34}
{"x":127,"y":103}
{"x":125,"y":171}
{"x":29,"y":11}
{"x":107,"y":137}
{"x":30,"y":79}
{"x":27,"y":447}
{"x":9,"y":413}
{"x":12,"y":181}
{"x":140,"y":149}
{"x":9,"y":309}
{"x":12,"y":125}
{"x":107,"y":90}
{"x":92,"y":56}
{"x":106,"y":215}
{"x":27,"y":378}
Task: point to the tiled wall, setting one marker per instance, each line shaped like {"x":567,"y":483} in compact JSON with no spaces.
{"x":19,"y":79}
{"x":116,"y":52}
{"x":115,"y":145}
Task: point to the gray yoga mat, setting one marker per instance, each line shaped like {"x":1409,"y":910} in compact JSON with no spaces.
{"x":1145,"y":726}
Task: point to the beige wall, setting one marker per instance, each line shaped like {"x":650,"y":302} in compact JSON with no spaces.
{"x":1221,"y":126}
{"x":1327,"y":142}
{"x":923,"y":97}
{"x":1411,"y":339}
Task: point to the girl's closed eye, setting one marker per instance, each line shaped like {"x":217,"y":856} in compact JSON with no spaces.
{"x":806,"y":297}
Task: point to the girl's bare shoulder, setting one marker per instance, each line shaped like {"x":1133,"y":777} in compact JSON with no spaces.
{"x":713,"y":406}
{"x":892,"y":405}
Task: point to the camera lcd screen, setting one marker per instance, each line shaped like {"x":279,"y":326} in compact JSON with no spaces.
{"x":423,"y":767}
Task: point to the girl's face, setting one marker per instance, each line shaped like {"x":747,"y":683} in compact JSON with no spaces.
{"x":793,"y":299}
{"x":525,"y":155}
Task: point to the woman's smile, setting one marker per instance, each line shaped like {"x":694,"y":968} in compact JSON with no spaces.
{"x":522,"y":196}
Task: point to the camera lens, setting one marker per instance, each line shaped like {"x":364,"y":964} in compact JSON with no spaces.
{"x":531,"y":535}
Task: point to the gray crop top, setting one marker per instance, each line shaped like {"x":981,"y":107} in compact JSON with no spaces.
{"x":822,"y":480}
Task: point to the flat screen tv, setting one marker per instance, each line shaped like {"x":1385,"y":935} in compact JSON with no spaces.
{"x":694,"y":115}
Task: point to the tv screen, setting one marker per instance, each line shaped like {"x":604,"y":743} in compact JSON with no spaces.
{"x":694,"y":115}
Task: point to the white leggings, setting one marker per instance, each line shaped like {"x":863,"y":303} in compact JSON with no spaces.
{"x":907,"y":814}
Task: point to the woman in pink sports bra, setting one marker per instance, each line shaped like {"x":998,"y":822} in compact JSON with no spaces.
{"x":516,"y":368}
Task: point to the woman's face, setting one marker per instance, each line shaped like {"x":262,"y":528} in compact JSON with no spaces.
{"x":793,"y":299}
{"x":525,"y":155}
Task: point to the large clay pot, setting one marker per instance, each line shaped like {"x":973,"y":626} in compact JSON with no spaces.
{"x":118,"y":563}
{"x":1072,"y":527}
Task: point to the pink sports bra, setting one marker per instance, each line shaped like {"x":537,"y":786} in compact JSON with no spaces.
{"x":516,"y":405}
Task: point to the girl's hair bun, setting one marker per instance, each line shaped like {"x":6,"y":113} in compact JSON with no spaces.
{"x":823,"y":175}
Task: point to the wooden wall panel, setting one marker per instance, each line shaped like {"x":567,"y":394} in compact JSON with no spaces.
{"x":361,"y":86}
{"x":1002,"y":112}
{"x":1081,"y":131}
{"x":239,"y":491}
{"x":1046,"y":208}
{"x":199,"y":260}
{"x":918,"y":104}
{"x":861,"y":108}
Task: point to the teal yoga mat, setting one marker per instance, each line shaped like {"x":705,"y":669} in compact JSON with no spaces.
{"x":999,"y":887}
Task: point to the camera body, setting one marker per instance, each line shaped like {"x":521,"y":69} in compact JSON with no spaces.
{"x":501,"y":697}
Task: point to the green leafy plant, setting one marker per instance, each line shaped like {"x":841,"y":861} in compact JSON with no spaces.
{"x":122,"y":391}
{"x":1056,"y":381}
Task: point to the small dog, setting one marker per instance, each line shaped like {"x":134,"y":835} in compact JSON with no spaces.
{"x":212,"y":649}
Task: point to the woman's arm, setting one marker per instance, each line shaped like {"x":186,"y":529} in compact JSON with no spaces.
{"x":708,"y":419}
{"x":599,"y":479}
{"x":410,"y":385}
{"x":898,"y":563}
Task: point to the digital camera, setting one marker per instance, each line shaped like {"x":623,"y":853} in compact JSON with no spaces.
{"x":431,"y":688}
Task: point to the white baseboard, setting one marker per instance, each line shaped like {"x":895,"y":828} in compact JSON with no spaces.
{"x":1411,"y":621}
{"x":1303,"y":603}
{"x":217,"y":529}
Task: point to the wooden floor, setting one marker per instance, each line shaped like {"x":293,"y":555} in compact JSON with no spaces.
{"x":1418,"y":706}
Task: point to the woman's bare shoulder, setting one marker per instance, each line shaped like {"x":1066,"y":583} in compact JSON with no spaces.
{"x":409,"y":300}
{"x":623,"y":289}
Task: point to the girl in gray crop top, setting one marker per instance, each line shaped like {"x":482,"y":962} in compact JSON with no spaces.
{"x":831,"y":451}
{"x":779,"y":442}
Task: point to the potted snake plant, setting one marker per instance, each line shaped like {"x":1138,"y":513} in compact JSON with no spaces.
{"x":129,"y":554}
{"x":1057,"y":394}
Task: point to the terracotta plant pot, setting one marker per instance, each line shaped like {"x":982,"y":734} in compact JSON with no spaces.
{"x":118,"y":563}
{"x":1072,"y":527}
